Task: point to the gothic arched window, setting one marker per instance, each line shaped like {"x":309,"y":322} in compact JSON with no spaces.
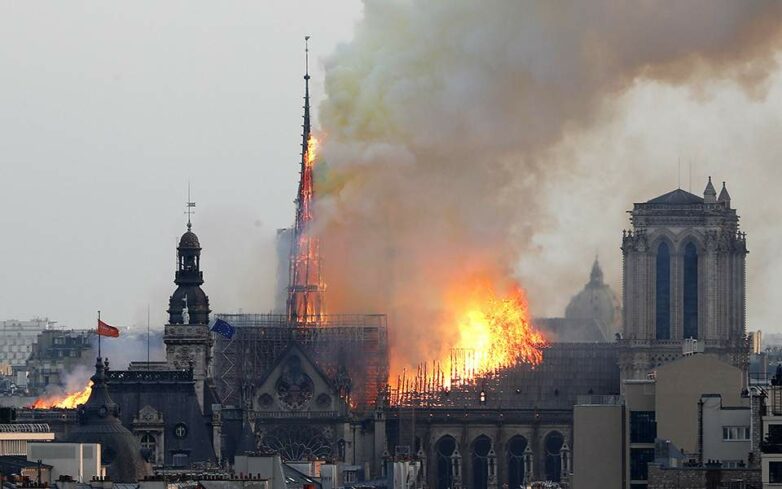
{"x":445,"y":448}
{"x":663,"y":293}
{"x":690,"y":302}
{"x":516,"y":447}
{"x":553,"y":444}
{"x":480,"y":462}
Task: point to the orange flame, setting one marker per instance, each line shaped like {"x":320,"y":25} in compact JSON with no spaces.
{"x":493,"y":332}
{"x":66,"y":401}
{"x":490,"y":330}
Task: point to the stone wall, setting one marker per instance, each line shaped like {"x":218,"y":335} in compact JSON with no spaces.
{"x":701,"y":478}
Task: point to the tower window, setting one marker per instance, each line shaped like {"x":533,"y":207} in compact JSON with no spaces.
{"x":690,"y":302}
{"x":663,"y":290}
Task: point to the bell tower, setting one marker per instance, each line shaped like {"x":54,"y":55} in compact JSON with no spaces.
{"x":684,"y":281}
{"x":187,"y":337}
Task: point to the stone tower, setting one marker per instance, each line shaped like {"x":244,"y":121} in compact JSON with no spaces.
{"x":187,"y":337}
{"x":683,"y":279}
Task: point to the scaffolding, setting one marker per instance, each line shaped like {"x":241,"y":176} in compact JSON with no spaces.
{"x":355,"y":345}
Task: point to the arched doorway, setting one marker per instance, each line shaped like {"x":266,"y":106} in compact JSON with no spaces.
{"x":516,"y":447}
{"x":445,"y":448}
{"x":480,"y":462}
{"x":552,"y":444}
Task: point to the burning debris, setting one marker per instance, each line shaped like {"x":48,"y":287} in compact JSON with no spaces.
{"x":64,"y":401}
{"x":493,"y":333}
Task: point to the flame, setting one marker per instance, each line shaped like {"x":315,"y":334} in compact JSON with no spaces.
{"x":494,"y":331}
{"x":305,"y":291}
{"x":66,"y":401}
{"x":491,"y":331}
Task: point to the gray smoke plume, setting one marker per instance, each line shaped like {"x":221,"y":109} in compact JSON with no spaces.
{"x":447,"y":124}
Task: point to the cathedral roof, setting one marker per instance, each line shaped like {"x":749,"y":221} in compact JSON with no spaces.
{"x":677,"y":197}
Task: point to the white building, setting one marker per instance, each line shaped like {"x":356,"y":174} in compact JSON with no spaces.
{"x":17,"y":339}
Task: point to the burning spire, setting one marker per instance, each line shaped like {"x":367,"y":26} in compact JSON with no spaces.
{"x":305,"y":288}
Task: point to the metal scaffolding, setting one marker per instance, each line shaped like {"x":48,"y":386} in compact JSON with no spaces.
{"x":352,"y":344}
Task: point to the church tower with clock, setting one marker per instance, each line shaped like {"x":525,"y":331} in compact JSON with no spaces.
{"x":187,"y":337}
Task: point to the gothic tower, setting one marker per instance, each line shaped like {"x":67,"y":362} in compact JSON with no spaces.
{"x":683,"y":279}
{"x":305,"y":286}
{"x":187,"y":337}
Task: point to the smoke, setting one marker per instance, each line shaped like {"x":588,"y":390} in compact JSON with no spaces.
{"x":448,"y":125}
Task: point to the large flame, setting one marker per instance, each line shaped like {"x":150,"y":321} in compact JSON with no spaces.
{"x":493,"y":331}
{"x":67,"y":401}
{"x":490,"y":330}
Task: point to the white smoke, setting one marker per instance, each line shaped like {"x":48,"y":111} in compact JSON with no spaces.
{"x":448,"y":123}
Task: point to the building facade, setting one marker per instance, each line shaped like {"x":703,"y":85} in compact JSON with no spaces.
{"x":18,"y":337}
{"x":683,"y":278}
{"x":56,"y":353}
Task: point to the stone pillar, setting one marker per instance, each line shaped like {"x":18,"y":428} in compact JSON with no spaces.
{"x":528,"y":464}
{"x":492,"y":468}
{"x":456,"y":468}
{"x":564,"y":460}
{"x":217,"y":431}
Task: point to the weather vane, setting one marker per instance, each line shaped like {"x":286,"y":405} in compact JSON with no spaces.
{"x":189,"y":207}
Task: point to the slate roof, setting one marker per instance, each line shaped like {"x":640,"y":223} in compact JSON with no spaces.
{"x":99,"y":423}
{"x":171,"y":393}
{"x":677,"y":197}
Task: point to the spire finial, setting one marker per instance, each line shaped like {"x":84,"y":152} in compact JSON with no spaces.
{"x":189,"y":206}
{"x":306,"y":57}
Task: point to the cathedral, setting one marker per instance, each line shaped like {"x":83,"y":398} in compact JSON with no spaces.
{"x":314,"y":386}
{"x":683,"y":279}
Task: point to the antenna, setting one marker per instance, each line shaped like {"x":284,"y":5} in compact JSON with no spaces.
{"x":679,"y":174}
{"x":690,"y":189}
{"x":189,"y":206}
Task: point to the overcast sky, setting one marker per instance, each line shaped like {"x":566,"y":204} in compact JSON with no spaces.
{"x":108,"y":109}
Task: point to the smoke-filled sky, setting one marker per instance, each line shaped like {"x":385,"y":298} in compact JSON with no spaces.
{"x":460,"y":135}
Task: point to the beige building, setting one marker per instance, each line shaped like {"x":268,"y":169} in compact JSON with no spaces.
{"x":687,"y":403}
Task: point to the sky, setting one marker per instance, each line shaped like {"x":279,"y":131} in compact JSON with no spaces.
{"x":109,"y":109}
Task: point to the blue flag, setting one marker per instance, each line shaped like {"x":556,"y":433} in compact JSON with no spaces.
{"x":223,"y":328}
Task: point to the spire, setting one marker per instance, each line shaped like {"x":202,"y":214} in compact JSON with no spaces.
{"x":709,"y":194}
{"x":596,"y":276}
{"x":306,"y":126}
{"x":305,"y":288}
{"x":189,"y":206}
{"x":724,"y":196}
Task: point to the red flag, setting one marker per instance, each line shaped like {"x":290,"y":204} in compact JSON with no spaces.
{"x":106,"y":330}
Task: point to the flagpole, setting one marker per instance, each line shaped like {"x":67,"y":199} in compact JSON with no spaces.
{"x":98,"y":331}
{"x":148,"y":367}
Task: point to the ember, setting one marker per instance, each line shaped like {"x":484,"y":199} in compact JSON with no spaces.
{"x":67,"y":401}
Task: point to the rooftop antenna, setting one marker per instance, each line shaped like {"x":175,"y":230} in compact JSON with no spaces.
{"x":690,"y":185}
{"x":189,"y":208}
{"x":679,"y":174}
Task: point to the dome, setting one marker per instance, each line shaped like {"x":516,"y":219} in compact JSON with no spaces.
{"x":189,"y":240}
{"x":597,"y":301}
{"x":99,"y":423}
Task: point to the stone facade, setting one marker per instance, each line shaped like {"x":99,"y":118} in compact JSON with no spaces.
{"x":683,"y":277}
{"x":702,"y":478}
